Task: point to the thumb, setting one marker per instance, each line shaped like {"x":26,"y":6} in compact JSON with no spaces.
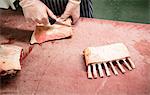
{"x":76,"y":15}
{"x":50,"y":13}
{"x":75,"y":18}
{"x":64,"y":16}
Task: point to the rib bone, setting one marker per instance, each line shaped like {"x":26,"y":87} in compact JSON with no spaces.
{"x":131,"y":62}
{"x":100,"y":70}
{"x":107,"y":70}
{"x":127,"y":65}
{"x":113,"y":68}
{"x":120,"y":67}
{"x":89,"y":72}
{"x":94,"y":71}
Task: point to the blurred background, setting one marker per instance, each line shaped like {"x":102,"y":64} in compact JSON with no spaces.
{"x":123,"y":10}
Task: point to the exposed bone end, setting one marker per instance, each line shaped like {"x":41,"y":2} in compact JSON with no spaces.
{"x":113,"y":68}
{"x":89,"y":72}
{"x":106,"y":69}
{"x":94,"y":71}
{"x":90,"y":76}
{"x":116,"y":74}
{"x":131,"y":62}
{"x":100,"y":70}
{"x":120,"y":67}
{"x":127,"y":65}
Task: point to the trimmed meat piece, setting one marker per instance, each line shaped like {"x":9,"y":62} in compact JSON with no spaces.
{"x":9,"y":59}
{"x":107,"y":56}
{"x":106,"y":53}
{"x":51,"y":32}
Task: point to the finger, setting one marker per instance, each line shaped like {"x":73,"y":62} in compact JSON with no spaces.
{"x":38,"y":21}
{"x":64,"y":16}
{"x":45,"y":21}
{"x":75,"y":19}
{"x":59,"y":20}
{"x":76,"y":15}
{"x":50,"y":13}
{"x":29,"y":20}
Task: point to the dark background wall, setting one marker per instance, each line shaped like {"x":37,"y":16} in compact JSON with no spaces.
{"x":123,"y":10}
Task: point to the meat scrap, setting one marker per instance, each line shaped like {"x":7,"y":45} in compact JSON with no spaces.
{"x":106,"y":57}
{"x":44,"y":33}
{"x":9,"y":59}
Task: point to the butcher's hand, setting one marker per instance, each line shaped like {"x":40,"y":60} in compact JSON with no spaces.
{"x":36,"y":11}
{"x":73,"y":10}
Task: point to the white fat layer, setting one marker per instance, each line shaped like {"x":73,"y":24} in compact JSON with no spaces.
{"x":10,"y":57}
{"x":107,"y":53}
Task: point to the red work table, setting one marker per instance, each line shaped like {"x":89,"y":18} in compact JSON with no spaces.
{"x":58,"y":68}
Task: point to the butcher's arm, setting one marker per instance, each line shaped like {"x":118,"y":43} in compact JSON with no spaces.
{"x":73,"y":10}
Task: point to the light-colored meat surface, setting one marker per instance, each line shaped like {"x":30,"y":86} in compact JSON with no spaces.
{"x":109,"y":56}
{"x":57,"y":68}
{"x":106,"y":53}
{"x":10,"y":57}
{"x":51,"y":32}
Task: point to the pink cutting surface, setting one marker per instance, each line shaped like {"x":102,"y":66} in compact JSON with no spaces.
{"x":58,"y":68}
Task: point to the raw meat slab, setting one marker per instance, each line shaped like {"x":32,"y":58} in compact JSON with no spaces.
{"x":51,"y":32}
{"x":10,"y":58}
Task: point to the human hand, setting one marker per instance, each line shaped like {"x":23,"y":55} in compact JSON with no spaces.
{"x":36,"y":11}
{"x":73,"y":10}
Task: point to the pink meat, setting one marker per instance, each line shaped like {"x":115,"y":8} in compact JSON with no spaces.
{"x":51,"y":32}
{"x":106,"y":53}
{"x":9,"y":59}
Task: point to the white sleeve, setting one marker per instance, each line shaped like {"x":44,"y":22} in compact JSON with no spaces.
{"x":6,"y":3}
